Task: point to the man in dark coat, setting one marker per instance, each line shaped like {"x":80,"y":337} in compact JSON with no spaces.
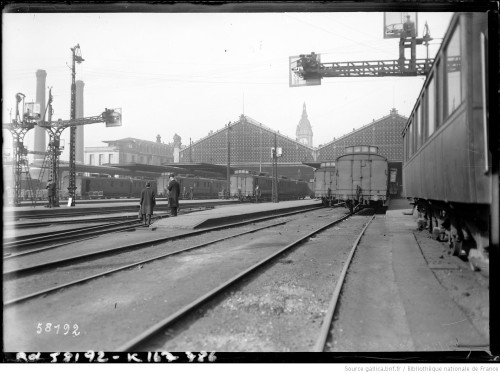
{"x":173,"y":197}
{"x":51,"y":192}
{"x":148,"y":202}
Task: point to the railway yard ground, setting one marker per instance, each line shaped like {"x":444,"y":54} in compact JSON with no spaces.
{"x":403,"y":291}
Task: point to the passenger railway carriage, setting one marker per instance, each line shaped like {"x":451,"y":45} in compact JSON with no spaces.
{"x":193,"y":187}
{"x":244,"y":186}
{"x":105,"y":187}
{"x":447,"y":167}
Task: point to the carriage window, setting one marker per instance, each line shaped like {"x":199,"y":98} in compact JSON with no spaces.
{"x":406,"y":145}
{"x":431,"y":107}
{"x":357,"y":149}
{"x":349,"y":149}
{"x":418,"y":133}
{"x":364,"y":149}
{"x":373,"y":150}
{"x":439,"y":94}
{"x":410,"y":140}
{"x":453,"y":72}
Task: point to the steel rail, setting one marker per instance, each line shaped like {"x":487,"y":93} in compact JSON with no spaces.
{"x":89,"y":235}
{"x":131,"y":206}
{"x":83,"y":280}
{"x":30,"y":239}
{"x":327,"y":321}
{"x":129,"y":216}
{"x":30,"y":269}
{"x":37,"y":238}
{"x":25,"y":225}
{"x":134,"y":343}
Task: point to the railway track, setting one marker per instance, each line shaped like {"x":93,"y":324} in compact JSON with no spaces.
{"x":15,"y":272}
{"x":38,"y":223}
{"x":60,"y":237}
{"x":121,"y":207}
{"x":142,"y":339}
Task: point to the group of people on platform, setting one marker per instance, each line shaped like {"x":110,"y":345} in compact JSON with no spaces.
{"x":148,"y":200}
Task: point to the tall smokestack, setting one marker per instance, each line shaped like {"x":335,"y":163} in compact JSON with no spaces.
{"x":40,"y":145}
{"x":80,"y":144}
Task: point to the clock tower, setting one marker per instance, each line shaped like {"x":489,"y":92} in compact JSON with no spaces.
{"x":304,"y":132}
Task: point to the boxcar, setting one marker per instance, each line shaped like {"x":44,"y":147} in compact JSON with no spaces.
{"x":447,"y":164}
{"x":361,"y":177}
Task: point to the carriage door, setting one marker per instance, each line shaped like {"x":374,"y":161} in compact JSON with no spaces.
{"x":87,"y":185}
{"x":358,"y":171}
{"x":366,"y":177}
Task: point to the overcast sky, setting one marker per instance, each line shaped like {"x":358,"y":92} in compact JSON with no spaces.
{"x":194,"y":72}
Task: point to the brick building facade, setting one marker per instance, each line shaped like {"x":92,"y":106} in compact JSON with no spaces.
{"x":251,"y":142}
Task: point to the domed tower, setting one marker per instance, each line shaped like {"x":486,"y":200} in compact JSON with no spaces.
{"x":304,"y":131}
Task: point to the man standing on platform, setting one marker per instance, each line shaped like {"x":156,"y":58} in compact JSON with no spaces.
{"x":51,"y":192}
{"x":173,"y":196}
{"x":148,"y":202}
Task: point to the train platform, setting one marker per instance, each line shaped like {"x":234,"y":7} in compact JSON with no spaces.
{"x":394,"y":300}
{"x":111,"y":205}
{"x":234,"y":213}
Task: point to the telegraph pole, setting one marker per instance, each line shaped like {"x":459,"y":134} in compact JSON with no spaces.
{"x":54,"y":146}
{"x":76,"y":58}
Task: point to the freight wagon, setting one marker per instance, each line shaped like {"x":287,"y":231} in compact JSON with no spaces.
{"x":361,"y":178}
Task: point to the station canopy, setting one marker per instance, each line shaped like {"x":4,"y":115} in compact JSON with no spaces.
{"x":201,"y":168}
{"x":126,"y":169}
{"x":138,"y":168}
{"x":152,"y":171}
{"x":315,"y":165}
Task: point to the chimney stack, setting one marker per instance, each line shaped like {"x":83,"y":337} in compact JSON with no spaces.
{"x":177,"y":147}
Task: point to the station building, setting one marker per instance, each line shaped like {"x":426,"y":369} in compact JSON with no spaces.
{"x":130,"y":151}
{"x":247,"y":144}
{"x":385,"y":133}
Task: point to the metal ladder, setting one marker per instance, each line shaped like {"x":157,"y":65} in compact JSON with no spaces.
{"x":45,"y":165}
{"x":24,"y":169}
